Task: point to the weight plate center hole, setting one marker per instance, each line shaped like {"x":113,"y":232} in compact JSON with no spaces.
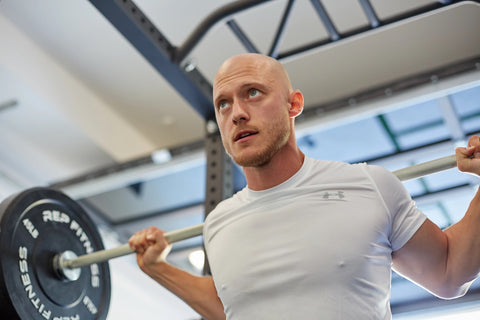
{"x":64,"y":273}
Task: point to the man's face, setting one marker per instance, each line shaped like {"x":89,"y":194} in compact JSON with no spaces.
{"x":252,"y":110}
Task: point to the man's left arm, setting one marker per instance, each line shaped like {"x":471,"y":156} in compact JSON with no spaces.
{"x":446,"y":262}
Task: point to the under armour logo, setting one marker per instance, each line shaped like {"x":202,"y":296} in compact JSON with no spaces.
{"x":333,"y":195}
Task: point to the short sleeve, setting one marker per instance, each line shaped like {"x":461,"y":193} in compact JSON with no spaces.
{"x":404,"y":216}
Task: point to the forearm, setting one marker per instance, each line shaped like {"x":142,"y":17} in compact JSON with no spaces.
{"x":198,"y":292}
{"x":463,"y":238}
{"x":463,"y":262}
{"x":464,"y":242}
{"x":444,"y":262}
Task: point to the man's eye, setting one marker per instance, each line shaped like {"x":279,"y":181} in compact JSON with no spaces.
{"x":253,"y":93}
{"x":223,"y":105}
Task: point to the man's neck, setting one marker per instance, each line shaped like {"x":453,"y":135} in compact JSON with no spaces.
{"x":279,"y":169}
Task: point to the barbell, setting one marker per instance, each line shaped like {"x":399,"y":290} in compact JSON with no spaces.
{"x":53,"y":261}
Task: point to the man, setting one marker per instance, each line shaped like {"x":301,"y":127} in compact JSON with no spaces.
{"x":309,"y":239}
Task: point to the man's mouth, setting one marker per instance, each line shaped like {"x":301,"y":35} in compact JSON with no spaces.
{"x":244,"y":134}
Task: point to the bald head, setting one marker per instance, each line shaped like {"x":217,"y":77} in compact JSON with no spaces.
{"x":253,"y":63}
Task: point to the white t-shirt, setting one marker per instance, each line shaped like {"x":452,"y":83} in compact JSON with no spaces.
{"x":317,"y":246}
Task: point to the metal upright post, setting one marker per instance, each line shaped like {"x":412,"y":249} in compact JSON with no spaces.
{"x":219,"y":184}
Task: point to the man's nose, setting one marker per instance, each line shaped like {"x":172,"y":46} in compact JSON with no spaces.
{"x":240,"y":112}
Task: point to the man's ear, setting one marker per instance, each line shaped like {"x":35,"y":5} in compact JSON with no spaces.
{"x":296,"y":104}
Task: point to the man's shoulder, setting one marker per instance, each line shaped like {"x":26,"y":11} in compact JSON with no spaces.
{"x":333,"y":166}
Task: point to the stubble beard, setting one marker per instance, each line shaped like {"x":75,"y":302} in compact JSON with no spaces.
{"x":281,"y":135}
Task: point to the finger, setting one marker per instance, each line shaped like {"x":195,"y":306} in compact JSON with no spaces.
{"x":474,"y":141}
{"x":153,"y":240}
{"x":468,"y":159}
{"x":152,"y":233}
{"x":154,"y":236}
{"x":133,"y":241}
{"x":463,"y":158}
{"x":138,"y":241}
{"x":474,"y":146}
{"x":463,"y":152}
{"x":469,"y":151}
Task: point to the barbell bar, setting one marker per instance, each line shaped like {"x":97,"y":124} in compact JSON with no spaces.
{"x":63,"y":263}
{"x":426,"y":168}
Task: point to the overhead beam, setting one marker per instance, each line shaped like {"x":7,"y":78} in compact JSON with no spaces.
{"x":281,"y":30}
{"x":134,"y":25}
{"x":240,"y":34}
{"x":216,"y":16}
{"x":326,"y":20}
{"x":370,"y":13}
{"x":374,"y":23}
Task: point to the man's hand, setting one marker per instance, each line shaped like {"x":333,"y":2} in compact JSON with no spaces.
{"x":151,"y":247}
{"x":198,"y":292}
{"x":468,"y":159}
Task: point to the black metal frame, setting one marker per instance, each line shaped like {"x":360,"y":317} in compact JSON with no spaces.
{"x":189,"y":82}
{"x":219,"y":176}
{"x":134,"y":25}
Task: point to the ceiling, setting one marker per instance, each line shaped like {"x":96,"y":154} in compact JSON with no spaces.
{"x":84,"y":109}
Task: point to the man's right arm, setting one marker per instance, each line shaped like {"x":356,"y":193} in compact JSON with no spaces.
{"x":198,"y":292}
